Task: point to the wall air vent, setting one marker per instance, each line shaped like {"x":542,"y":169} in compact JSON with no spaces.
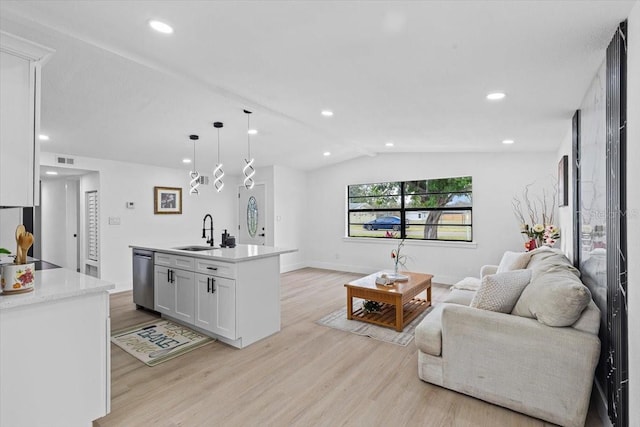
{"x":65,"y":160}
{"x":203,"y":179}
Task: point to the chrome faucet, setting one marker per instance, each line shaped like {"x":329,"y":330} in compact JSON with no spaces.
{"x":204,"y":229}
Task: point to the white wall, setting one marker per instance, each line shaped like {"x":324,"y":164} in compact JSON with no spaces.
{"x":121,"y":182}
{"x":633,"y":204}
{"x":290,"y":215}
{"x":565,"y":213}
{"x":53,"y":238}
{"x":497,"y":178}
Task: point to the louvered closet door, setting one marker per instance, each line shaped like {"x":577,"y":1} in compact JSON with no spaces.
{"x":92,"y":225}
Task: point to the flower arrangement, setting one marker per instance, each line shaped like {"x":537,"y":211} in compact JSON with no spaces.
{"x":396,"y":256}
{"x":539,"y":228}
{"x":540,"y":235}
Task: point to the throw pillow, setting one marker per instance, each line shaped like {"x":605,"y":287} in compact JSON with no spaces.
{"x":468,"y":283}
{"x":555,"y":297}
{"x":499,"y":292}
{"x":513,"y":261}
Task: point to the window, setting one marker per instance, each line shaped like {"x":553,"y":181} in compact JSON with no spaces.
{"x":429,"y":209}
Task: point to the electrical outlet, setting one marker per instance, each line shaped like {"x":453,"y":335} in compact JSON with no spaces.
{"x":114,"y":220}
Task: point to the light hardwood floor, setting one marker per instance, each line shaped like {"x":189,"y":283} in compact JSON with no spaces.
{"x":305,"y":375}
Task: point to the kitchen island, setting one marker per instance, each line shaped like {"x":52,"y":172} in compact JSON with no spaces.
{"x":54,"y":351}
{"x":232,"y":294}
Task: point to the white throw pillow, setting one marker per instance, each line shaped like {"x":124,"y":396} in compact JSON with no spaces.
{"x":468,"y":283}
{"x":500,"y":292}
{"x":513,"y":261}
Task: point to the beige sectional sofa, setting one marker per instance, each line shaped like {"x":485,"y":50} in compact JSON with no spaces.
{"x":537,"y":356}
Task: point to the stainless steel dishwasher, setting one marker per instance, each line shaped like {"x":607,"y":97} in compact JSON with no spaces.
{"x":143,"y":278}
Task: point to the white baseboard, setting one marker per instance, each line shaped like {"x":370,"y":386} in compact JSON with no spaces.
{"x":291,"y":267}
{"x":121,"y":287}
{"x":348,"y":268}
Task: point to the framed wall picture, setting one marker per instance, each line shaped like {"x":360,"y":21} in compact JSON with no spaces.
{"x":167,"y":200}
{"x":563,"y":181}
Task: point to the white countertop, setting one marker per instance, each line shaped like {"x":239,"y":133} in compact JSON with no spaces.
{"x":53,"y":285}
{"x":237,"y":254}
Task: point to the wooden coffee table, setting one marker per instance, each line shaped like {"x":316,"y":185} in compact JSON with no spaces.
{"x":400,"y":306}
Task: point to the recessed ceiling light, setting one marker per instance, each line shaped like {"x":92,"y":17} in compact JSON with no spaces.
{"x":43,"y":137}
{"x":51,"y":173}
{"x":389,"y":144}
{"x":508,"y":141}
{"x":161,"y":27}
{"x":186,"y":160}
{"x":252,"y":131}
{"x":326,"y":153}
{"x":327,"y":113}
{"x":496,"y":96}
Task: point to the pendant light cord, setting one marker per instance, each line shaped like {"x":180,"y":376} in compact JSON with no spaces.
{"x":249,"y":135}
{"x":218,"y":145}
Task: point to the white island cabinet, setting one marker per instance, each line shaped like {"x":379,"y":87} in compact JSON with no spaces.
{"x":55,"y":352}
{"x":232,"y":294}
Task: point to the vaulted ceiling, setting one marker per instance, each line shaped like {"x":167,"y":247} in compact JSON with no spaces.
{"x":414,"y":73}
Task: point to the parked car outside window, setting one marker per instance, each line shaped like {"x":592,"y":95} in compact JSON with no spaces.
{"x":384,"y":223}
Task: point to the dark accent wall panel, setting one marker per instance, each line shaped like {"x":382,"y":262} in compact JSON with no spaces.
{"x":617,"y":351}
{"x":575,"y":155}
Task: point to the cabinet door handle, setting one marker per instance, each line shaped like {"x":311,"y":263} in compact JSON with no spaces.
{"x":208,"y":284}
{"x":212,"y":268}
{"x":213,"y":285}
{"x":173,"y":276}
{"x":168,"y":275}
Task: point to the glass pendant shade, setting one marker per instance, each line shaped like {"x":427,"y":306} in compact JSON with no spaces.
{"x":218,"y":172}
{"x":194,"y":175}
{"x":248,"y":170}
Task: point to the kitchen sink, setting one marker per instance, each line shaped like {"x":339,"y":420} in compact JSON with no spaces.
{"x":195,"y":248}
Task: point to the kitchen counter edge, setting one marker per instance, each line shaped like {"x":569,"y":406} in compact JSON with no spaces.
{"x":238,"y":254}
{"x":56,"y":284}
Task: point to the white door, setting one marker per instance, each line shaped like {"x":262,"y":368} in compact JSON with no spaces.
{"x":72,"y":225}
{"x":252,"y":211}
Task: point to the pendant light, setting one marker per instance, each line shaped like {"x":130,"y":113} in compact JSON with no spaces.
{"x":218,"y":173}
{"x":248,"y":170}
{"x":194,"y":175}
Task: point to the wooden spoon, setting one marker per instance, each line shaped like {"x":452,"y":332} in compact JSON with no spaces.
{"x":26,"y":241}
{"x":20,"y":230}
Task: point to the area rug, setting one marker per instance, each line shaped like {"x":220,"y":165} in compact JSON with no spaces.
{"x":158,"y":341}
{"x":338,"y":320}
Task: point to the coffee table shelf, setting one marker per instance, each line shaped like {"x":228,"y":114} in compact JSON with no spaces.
{"x":387,"y":314}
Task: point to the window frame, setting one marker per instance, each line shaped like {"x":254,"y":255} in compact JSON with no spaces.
{"x":403,"y":210}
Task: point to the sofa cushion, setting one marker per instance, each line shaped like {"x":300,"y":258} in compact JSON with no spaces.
{"x":428,"y":333}
{"x":460,"y":296}
{"x":468,"y":283}
{"x":513,"y":261}
{"x":555,"y":297}
{"x":499,"y":292}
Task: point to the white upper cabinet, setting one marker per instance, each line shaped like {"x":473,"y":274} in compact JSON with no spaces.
{"x":20,"y":64}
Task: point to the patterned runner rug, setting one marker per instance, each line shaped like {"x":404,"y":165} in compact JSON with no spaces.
{"x":158,"y":341}
{"x":338,"y":320}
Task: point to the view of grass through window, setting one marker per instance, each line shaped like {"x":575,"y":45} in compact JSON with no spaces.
{"x":428,"y":209}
